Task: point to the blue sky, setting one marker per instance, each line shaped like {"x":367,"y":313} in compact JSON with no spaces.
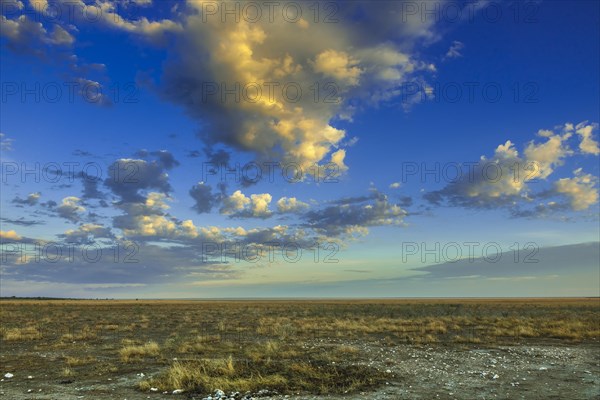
{"x":452,"y":139}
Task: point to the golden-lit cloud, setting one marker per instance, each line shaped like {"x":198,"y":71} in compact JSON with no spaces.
{"x":272,"y":90}
{"x":70,"y":208}
{"x":10,"y":235}
{"x":588,"y":144}
{"x":291,"y":205}
{"x":505,"y":178}
{"x":581,"y":190}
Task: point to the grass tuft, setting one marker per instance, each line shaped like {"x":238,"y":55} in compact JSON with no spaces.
{"x":22,"y":334}
{"x":135,"y":353}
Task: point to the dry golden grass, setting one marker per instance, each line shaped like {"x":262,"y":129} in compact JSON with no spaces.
{"x":463,"y":339}
{"x":347,"y":350}
{"x":17,"y":334}
{"x":108,"y":327}
{"x":228,"y":374}
{"x":261,"y":344}
{"x":76,"y":361}
{"x":197,"y":345}
{"x":133,"y":353}
{"x":209,"y":375}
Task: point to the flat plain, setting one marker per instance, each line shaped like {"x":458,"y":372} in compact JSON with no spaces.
{"x":304,"y":349}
